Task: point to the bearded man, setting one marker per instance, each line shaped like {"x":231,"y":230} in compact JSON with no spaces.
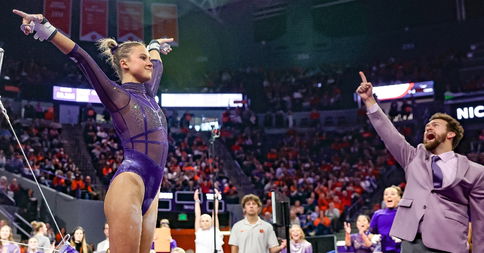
{"x":444,"y":192}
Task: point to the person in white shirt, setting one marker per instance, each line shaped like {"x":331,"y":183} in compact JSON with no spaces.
{"x":103,"y":246}
{"x":252,"y":234}
{"x":204,"y":227}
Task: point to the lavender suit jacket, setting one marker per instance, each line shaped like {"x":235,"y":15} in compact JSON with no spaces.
{"x":444,"y":212}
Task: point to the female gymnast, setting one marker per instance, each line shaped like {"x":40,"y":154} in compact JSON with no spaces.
{"x":130,"y":205}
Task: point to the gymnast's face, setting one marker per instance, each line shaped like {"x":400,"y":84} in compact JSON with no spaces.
{"x":138,"y":64}
{"x":205,"y":221}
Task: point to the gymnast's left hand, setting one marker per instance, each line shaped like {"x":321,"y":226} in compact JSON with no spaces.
{"x":165,"y":47}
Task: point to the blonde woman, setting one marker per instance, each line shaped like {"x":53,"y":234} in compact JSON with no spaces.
{"x":204,"y":227}
{"x":130,"y":204}
{"x":33,"y":247}
{"x":297,"y":242}
{"x":40,"y":229}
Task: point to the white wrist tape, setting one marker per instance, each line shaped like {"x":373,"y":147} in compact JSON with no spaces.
{"x":155,"y":45}
{"x":44,"y":30}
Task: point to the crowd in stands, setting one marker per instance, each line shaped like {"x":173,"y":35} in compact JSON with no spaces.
{"x":476,"y":146}
{"x":44,"y":149}
{"x":19,"y":72}
{"x":327,"y":86}
{"x":331,"y":86}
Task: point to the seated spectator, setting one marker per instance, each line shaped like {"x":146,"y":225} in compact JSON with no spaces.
{"x":3,"y":184}
{"x":294,"y":219}
{"x":79,"y":242}
{"x":333,"y":214}
{"x":361,"y":241}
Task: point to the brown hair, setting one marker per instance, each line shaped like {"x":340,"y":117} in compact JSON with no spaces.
{"x":250,"y":197}
{"x":114,"y":52}
{"x":84,"y":245}
{"x":37,"y":225}
{"x":452,"y":126}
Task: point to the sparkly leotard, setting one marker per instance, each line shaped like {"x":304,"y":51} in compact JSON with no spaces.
{"x":137,"y":119}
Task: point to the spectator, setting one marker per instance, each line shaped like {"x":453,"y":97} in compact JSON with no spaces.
{"x":298,"y":243}
{"x":361,"y":242}
{"x":40,"y":230}
{"x":382,"y":220}
{"x":243,"y":233}
{"x":79,"y":242}
{"x":205,"y":226}
{"x":103,"y":246}
{"x":333,"y":214}
{"x":7,"y":244}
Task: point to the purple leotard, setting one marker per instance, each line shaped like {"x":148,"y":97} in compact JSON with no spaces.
{"x":137,"y":119}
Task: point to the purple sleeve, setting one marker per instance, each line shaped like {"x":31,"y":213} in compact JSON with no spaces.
{"x":111,"y":94}
{"x":153,"y":84}
{"x":309,"y":248}
{"x":353,"y":239}
{"x":374,"y":223}
{"x":401,"y":150}
{"x":173,"y":244}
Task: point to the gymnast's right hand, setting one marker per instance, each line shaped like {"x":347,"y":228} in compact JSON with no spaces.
{"x":38,"y":23}
{"x":28,"y":21}
{"x":195,"y":195}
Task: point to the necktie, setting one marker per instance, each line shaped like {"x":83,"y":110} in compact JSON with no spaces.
{"x":437,"y":172}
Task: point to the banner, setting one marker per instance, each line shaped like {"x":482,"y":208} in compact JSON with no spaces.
{"x":94,"y":20}
{"x":58,"y":12}
{"x":164,"y":18}
{"x":130,"y":21}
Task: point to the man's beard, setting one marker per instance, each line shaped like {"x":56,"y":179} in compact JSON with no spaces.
{"x":433,"y":144}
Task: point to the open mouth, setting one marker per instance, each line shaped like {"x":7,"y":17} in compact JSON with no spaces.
{"x":430,"y":136}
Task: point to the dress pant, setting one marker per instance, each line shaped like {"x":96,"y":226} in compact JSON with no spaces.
{"x":416,"y":246}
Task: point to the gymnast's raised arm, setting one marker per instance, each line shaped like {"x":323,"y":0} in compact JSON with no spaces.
{"x":155,"y":48}
{"x":108,"y":91}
